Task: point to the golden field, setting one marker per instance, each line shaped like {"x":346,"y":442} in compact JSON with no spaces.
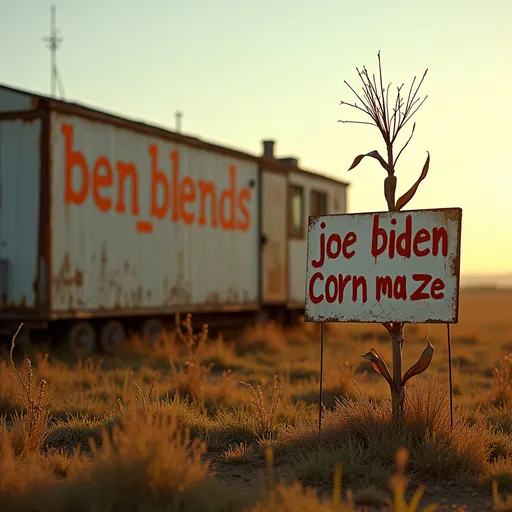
{"x":230,"y":422}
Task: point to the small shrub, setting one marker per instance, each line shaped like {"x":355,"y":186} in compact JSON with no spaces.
{"x":239,"y":454}
{"x":503,"y":381}
{"x":191,"y":380}
{"x":29,"y":427}
{"x":266,"y":423}
{"x":435,"y":449}
{"x":144,"y":401}
{"x":267,"y":338}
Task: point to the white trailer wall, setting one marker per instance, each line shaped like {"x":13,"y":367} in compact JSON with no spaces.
{"x":19,"y":211}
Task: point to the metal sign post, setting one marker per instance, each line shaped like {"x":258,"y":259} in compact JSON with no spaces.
{"x":322,"y":334}
{"x":450,"y":372}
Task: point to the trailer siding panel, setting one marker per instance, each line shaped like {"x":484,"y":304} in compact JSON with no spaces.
{"x":19,"y":211}
{"x":274,"y":286}
{"x":155,"y":245}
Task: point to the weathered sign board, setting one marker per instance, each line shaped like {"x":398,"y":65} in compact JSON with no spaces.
{"x":381,"y":267}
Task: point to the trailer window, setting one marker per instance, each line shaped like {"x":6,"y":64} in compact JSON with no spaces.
{"x":318,"y":203}
{"x":296,"y":212}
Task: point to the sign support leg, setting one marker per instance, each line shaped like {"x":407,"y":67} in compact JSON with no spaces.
{"x":322,"y":331}
{"x":450,"y":373}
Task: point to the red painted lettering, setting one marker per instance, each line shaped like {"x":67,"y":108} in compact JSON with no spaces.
{"x":107,"y":182}
{"x":437,"y":289}
{"x":331,"y":297}
{"x":187,"y":195}
{"x":175,"y":163}
{"x":206,"y":188}
{"x":334,"y":238}
{"x":100,"y":181}
{"x":440,"y":235}
{"x":342,"y":283}
{"x":349,"y":240}
{"x":423,"y":279}
{"x":319,"y":262}
{"x":384,"y":286}
{"x":228,"y":223}
{"x":358,"y":281}
{"x":334,"y":247}
{"x":392,"y":240}
{"x":421,"y":236}
{"x":400,"y":288}
{"x":73,"y":159}
{"x":158,"y":179}
{"x":407,"y":243}
{"x":243,"y":197}
{"x":378,"y":232}
{"x":315,"y":299}
{"x":403,"y":241}
{"x":125,"y":171}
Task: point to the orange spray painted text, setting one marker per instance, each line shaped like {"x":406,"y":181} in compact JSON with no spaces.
{"x":171,"y":196}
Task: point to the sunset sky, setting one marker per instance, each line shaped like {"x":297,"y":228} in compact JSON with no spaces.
{"x":242,"y":71}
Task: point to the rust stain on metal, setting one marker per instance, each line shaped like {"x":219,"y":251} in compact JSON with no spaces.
{"x":212,"y":298}
{"x":22,"y":304}
{"x":312,"y":220}
{"x":35,"y":289}
{"x":178,"y":292}
{"x":274,"y":275}
{"x":103,"y":265}
{"x":137,"y":297}
{"x":28,"y":120}
{"x":67,"y":279}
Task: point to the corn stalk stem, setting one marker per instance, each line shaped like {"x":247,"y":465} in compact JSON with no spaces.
{"x":398,"y":394}
{"x":397,"y":328}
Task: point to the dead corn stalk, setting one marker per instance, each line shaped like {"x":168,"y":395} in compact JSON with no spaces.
{"x":390,"y":118}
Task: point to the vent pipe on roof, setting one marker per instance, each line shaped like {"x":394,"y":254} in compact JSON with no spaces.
{"x":178,"y":115}
{"x":268,"y":149}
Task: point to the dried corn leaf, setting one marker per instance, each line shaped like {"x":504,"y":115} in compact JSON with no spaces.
{"x":380,"y":366}
{"x":421,"y":365}
{"x":373,"y":154}
{"x":410,"y":193}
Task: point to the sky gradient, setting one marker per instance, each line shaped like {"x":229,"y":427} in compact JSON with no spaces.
{"x":243,"y":71}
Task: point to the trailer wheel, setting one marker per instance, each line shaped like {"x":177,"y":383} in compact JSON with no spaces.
{"x":111,"y":334}
{"x":152,"y":329}
{"x":262,"y":317}
{"x":81,"y":338}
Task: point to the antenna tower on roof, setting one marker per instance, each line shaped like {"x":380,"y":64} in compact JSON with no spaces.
{"x":53,"y":41}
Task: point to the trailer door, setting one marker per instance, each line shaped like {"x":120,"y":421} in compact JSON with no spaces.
{"x":274,"y":275}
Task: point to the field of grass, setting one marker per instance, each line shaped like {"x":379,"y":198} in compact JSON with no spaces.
{"x":230,"y":423}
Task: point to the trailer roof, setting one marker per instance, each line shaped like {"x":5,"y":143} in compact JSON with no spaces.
{"x":79,"y":109}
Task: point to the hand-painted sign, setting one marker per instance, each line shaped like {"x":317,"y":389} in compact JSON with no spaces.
{"x":382,"y":267}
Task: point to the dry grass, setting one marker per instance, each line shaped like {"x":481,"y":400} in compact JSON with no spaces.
{"x":189,"y":423}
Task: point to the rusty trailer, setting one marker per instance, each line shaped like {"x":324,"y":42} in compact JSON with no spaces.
{"x":108,"y":223}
